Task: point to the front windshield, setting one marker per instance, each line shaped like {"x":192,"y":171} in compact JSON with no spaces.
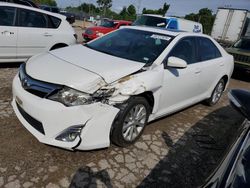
{"x":243,"y":44}
{"x":136,"y":45}
{"x":107,"y":23}
{"x":152,"y":21}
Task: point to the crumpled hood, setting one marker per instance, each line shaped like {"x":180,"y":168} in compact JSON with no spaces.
{"x":80,"y":67}
{"x":110,"y":68}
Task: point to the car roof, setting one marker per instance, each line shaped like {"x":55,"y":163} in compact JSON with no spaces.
{"x":122,"y":21}
{"x":170,"y":17}
{"x":154,"y":15}
{"x":156,"y":29}
{"x":48,"y":6}
{"x":32,"y":8}
{"x":170,"y":32}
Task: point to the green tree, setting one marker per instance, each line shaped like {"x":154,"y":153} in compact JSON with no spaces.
{"x":104,"y":5}
{"x":162,"y":11}
{"x":131,"y":10}
{"x":128,"y":13}
{"x":123,"y":13}
{"x":205,"y":17}
{"x":46,"y":2}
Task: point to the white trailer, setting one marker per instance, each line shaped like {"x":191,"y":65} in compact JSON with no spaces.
{"x":229,"y":25}
{"x":247,"y":33}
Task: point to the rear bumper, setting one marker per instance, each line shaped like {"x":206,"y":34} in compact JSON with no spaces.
{"x":54,"y":118}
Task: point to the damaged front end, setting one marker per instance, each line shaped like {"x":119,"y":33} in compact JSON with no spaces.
{"x":138,"y":83}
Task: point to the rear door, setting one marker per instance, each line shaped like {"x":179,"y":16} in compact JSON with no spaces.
{"x":33,"y":36}
{"x":8,"y":33}
{"x":212,"y":63}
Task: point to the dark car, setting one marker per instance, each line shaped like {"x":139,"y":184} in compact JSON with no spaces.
{"x":22,"y":2}
{"x":50,"y":8}
{"x":241,"y":52}
{"x":70,"y":17}
{"x":234,"y":171}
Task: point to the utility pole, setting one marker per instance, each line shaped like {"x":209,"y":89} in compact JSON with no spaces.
{"x":89,"y":7}
{"x":138,"y":6}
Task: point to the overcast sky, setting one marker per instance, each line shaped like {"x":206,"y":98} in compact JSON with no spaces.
{"x":177,"y":7}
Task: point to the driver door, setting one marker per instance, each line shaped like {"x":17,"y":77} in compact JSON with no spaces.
{"x":181,"y":86}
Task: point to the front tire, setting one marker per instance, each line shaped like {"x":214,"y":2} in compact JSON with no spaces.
{"x":131,"y":121}
{"x":217,"y":93}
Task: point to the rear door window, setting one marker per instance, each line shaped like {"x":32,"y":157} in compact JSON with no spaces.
{"x":207,"y":49}
{"x":7,"y":16}
{"x":28,"y":18}
{"x":53,"y":22}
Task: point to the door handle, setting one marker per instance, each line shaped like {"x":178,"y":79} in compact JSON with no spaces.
{"x":221,"y":64}
{"x":47,"y":34}
{"x":197,"y":71}
{"x":7,"y":32}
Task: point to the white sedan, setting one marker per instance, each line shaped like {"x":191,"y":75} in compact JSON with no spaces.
{"x":85,"y":96}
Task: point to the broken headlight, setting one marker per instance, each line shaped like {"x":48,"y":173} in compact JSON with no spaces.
{"x":71,"y":97}
{"x":103,"y":93}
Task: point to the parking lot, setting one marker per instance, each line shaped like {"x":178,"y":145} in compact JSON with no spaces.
{"x":180,"y":150}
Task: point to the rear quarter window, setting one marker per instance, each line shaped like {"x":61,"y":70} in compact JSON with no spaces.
{"x":54,"y":22}
{"x":207,"y":49}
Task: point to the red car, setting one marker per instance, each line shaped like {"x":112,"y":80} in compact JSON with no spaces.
{"x":105,"y":27}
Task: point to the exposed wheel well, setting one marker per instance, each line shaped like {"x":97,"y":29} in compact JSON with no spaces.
{"x":225,"y":78}
{"x":59,"y":45}
{"x":148,"y":95}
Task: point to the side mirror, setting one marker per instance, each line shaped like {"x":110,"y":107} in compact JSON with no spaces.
{"x":176,"y":62}
{"x":240,"y":100}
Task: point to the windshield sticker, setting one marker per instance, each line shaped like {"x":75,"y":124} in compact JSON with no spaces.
{"x":161,"y":37}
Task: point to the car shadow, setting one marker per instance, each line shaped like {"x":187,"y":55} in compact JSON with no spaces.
{"x":190,"y":160}
{"x":85,"y":177}
{"x":197,"y":153}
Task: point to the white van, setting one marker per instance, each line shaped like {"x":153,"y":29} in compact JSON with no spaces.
{"x":26,"y":31}
{"x":171,"y":23}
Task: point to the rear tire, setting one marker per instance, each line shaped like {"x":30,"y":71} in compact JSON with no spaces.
{"x":217,"y":93}
{"x":57,"y":46}
{"x":130,"y":122}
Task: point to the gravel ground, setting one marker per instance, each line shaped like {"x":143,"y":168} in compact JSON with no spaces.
{"x":180,"y":150}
